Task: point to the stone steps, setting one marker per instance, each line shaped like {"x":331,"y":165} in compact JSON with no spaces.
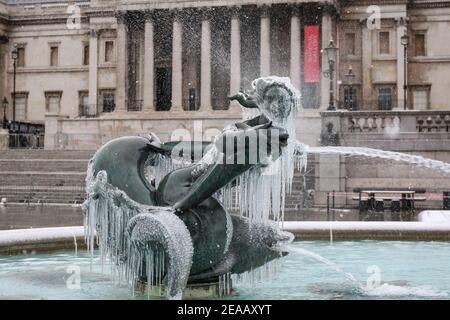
{"x":58,"y":176}
{"x":42,"y":165}
{"x":43,"y":176}
{"x":18,"y":154}
{"x":46,"y":201}
{"x":43,"y":195}
{"x":54,"y":179}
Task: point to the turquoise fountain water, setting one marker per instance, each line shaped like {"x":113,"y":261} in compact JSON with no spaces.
{"x":406,"y":270}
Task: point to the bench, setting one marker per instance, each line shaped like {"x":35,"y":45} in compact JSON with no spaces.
{"x":401,"y":201}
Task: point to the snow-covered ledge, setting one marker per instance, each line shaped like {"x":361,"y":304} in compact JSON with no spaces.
{"x":301,"y":226}
{"x":369,"y":230}
{"x":433,"y":226}
{"x":40,"y":239}
{"x":436,"y":216}
{"x":39,"y":234}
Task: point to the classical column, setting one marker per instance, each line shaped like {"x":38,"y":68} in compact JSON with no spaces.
{"x":295,"y":49}
{"x":235,"y":56}
{"x":177,"y":62}
{"x":121,"y":65}
{"x":401,"y":29}
{"x":327,"y":35}
{"x":93,"y":73}
{"x":205,"y":77}
{"x":148,"y":65}
{"x":265,"y":42}
{"x":366,"y":66}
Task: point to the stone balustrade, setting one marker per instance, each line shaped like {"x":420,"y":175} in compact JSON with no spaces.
{"x":391,"y":130}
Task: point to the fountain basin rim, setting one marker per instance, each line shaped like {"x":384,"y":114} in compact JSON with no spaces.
{"x":25,"y":241}
{"x":299,"y":226}
{"x":20,"y":241}
{"x":370,"y":230}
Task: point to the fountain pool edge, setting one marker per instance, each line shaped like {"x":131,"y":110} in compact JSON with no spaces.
{"x":358,"y":230}
{"x":24,"y":241}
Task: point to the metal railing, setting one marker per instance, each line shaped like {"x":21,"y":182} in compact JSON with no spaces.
{"x":26,"y":140}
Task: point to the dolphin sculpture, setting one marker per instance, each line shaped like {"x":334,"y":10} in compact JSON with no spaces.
{"x":181,"y":216}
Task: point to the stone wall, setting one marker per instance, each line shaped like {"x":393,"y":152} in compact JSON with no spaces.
{"x":65,"y":133}
{"x":167,"y":125}
{"x":4,"y":139}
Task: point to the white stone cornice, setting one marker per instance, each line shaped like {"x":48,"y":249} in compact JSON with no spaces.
{"x":52,"y":70}
{"x":168,"y":4}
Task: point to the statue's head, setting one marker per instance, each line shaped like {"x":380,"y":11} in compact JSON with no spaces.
{"x":276,"y":98}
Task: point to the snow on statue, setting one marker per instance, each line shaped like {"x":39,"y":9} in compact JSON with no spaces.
{"x":173,"y":228}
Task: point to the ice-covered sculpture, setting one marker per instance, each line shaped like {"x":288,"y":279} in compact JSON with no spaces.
{"x":171,"y":227}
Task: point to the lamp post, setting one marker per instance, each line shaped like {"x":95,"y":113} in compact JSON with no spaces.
{"x":331,"y":53}
{"x":349,"y":79}
{"x":5,"y":104}
{"x":405,"y":41}
{"x":14,"y":55}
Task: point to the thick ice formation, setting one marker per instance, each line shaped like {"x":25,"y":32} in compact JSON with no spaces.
{"x":259,"y":193}
{"x":162,"y":165}
{"x":136,"y":238}
{"x":153,"y":234}
{"x":151,"y":244}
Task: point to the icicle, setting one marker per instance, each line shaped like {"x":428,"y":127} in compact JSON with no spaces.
{"x":108,"y":215}
{"x":162,"y":165}
{"x":260,"y":193}
{"x":255,"y":277}
{"x":161,"y":226}
{"x":225,"y":284}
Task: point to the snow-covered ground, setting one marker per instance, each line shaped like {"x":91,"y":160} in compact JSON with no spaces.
{"x":435,"y":216}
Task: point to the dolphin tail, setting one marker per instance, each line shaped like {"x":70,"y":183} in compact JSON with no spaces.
{"x":161,"y":229}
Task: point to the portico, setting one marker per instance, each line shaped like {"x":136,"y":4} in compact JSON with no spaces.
{"x":208,"y":53}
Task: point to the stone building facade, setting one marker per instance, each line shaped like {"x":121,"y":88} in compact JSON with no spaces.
{"x":92,"y":70}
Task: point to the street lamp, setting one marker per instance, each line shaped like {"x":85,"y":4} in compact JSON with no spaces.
{"x":14,"y":55}
{"x":5,"y":106}
{"x":350,"y":79}
{"x":331,"y":53}
{"x":405,"y":41}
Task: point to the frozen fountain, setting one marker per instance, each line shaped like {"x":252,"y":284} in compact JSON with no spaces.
{"x":171,"y":228}
{"x":163,"y":219}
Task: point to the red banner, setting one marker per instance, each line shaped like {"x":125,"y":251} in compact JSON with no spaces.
{"x":311,"y":54}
